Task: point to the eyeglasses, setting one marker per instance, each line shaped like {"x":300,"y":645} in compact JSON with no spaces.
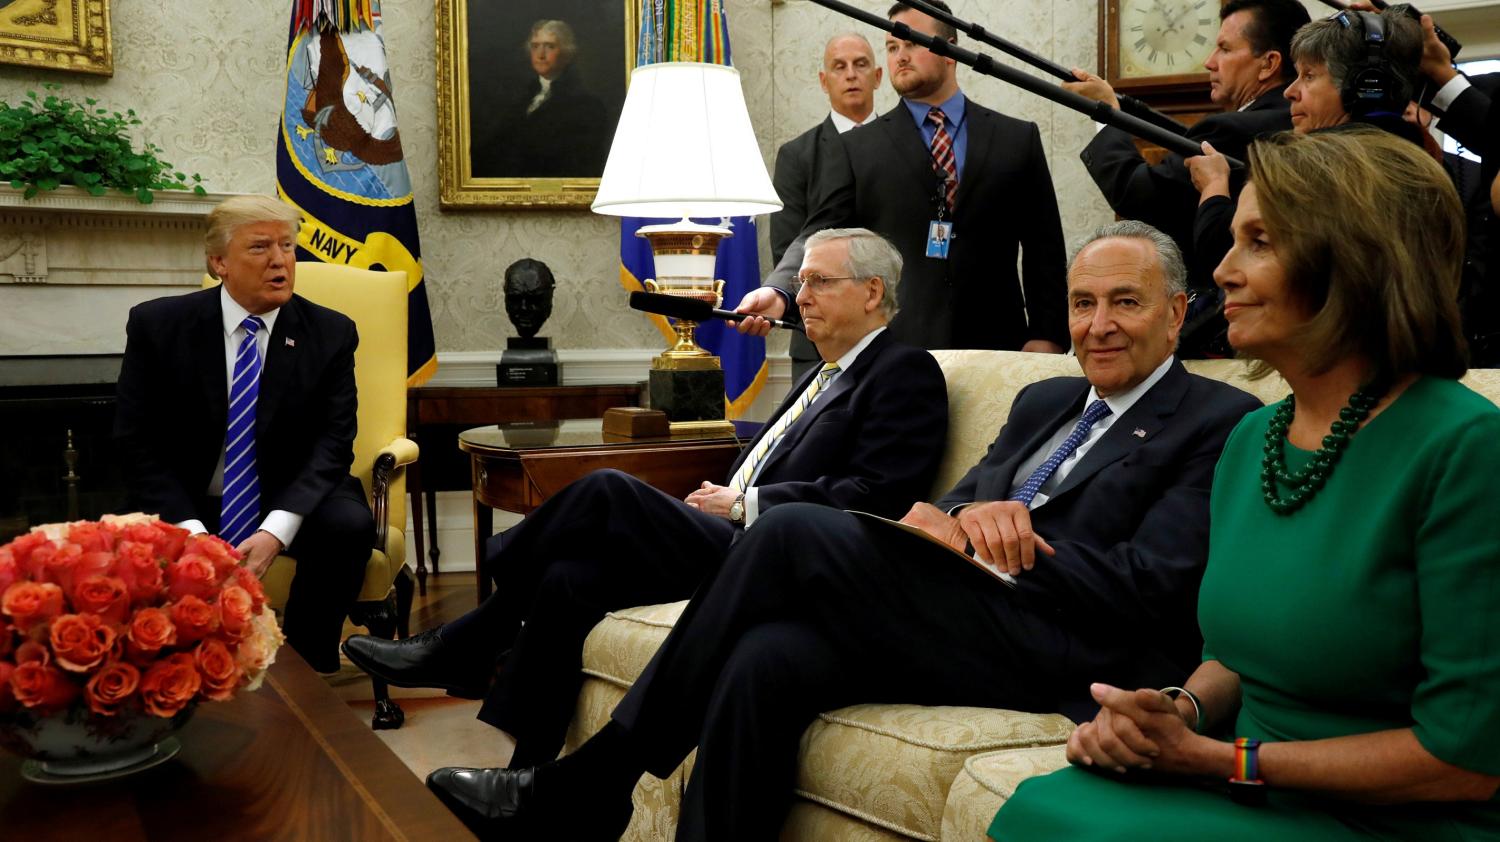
{"x":818,"y":284}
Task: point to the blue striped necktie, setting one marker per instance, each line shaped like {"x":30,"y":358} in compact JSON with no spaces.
{"x":747,"y":471}
{"x":240,"y":513}
{"x":1028,"y":490}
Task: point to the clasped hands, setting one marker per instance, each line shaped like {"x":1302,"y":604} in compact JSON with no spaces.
{"x":1136,"y":729}
{"x":999,"y":530}
{"x":712,"y":499}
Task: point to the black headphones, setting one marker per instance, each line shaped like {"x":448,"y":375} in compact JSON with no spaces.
{"x":1371,"y":86}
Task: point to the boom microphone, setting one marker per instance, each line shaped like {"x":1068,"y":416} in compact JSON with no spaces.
{"x":693,"y":310}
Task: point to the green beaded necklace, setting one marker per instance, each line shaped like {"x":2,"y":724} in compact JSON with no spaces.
{"x":1308,"y":481}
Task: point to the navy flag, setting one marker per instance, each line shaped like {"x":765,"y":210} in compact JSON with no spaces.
{"x":339,"y":158}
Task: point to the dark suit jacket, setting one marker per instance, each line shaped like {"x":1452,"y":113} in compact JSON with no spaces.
{"x":173,"y":404}
{"x":1129,"y":522}
{"x":881,"y":178}
{"x":795,"y":178}
{"x":872,"y":441}
{"x":1163,"y":195}
{"x":1464,"y":119}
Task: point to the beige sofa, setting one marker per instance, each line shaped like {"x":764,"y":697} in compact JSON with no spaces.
{"x":890,"y":772}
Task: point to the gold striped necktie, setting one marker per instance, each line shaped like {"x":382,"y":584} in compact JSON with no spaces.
{"x":768,"y":441}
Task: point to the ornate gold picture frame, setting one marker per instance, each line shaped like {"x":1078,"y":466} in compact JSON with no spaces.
{"x":526,"y":114}
{"x":57,"y":34}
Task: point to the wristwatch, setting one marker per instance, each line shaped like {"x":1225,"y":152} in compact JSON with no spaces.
{"x":737,"y":510}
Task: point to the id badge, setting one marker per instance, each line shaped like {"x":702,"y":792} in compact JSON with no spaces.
{"x":939,"y":235}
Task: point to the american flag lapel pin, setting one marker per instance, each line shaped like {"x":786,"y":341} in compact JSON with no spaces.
{"x":292,"y":343}
{"x":1139,"y":433}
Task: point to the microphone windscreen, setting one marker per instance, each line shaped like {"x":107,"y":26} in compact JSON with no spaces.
{"x":671,"y":305}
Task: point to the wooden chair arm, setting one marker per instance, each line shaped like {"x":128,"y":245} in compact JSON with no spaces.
{"x":392,"y":457}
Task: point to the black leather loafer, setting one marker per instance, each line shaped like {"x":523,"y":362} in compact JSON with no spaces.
{"x":503,"y":804}
{"x":418,"y":661}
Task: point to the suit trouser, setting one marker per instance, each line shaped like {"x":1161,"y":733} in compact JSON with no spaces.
{"x":332,"y":548}
{"x":607,"y":541}
{"x":814,"y":610}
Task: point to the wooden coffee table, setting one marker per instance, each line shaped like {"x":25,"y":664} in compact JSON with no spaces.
{"x":289,"y":761}
{"x":517,"y":467}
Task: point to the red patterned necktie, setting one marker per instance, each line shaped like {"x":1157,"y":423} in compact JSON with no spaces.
{"x":943,"y":161}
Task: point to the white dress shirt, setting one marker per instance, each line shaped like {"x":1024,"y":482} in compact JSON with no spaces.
{"x":844,"y":124}
{"x":280,"y":523}
{"x":752,"y":497}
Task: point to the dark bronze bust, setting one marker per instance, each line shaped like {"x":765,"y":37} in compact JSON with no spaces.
{"x":528,"y":295}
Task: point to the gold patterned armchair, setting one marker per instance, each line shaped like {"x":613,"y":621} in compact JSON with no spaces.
{"x":376,"y":301}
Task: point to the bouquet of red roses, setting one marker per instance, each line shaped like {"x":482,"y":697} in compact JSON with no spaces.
{"x":127,"y":615}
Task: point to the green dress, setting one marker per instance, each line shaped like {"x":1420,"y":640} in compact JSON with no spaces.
{"x":1376,"y":606}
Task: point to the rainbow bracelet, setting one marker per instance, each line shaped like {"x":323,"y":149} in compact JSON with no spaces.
{"x":1246,"y":786}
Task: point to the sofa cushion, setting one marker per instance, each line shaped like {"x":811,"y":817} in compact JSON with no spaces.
{"x":619,"y":647}
{"x":891,"y":765}
{"x":985,"y":783}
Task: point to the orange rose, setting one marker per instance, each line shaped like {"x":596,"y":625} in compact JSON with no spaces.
{"x":92,"y":563}
{"x":22,"y":548}
{"x":60,"y":565}
{"x":218,"y":551}
{"x":142,"y":573}
{"x":110,"y":687}
{"x":236,"y":610}
{"x":42,"y":687}
{"x":170,"y":684}
{"x":92,"y":537}
{"x":251,"y":583}
{"x":8,"y":701}
{"x":216,"y":666}
{"x":194,"y":619}
{"x":192,"y":575}
{"x":31,"y":651}
{"x":35,"y":562}
{"x":10,"y":569}
{"x":80,"y":642}
{"x":102,"y":595}
{"x":30,"y":604}
{"x":150,"y":629}
{"x":168,"y":540}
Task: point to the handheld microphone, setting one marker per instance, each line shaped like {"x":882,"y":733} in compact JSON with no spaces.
{"x":693,"y":310}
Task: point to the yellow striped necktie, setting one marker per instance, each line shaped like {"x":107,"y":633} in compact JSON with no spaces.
{"x":743,"y":476}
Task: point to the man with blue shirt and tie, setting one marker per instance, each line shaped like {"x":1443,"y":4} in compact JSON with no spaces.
{"x":1093,"y":501}
{"x":962,"y":192}
{"x":235,"y":415}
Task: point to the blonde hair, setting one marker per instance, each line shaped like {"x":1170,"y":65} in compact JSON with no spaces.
{"x":235,"y":213}
{"x":1371,"y":234}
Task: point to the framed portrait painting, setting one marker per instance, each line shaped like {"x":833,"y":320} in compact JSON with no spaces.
{"x":529,"y":92}
{"x":57,"y":34}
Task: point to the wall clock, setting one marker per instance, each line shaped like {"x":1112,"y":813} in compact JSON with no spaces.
{"x":1154,"y":49}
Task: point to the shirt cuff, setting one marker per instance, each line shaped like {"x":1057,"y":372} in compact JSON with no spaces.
{"x":752,"y":505}
{"x":1099,"y":127}
{"x":953,"y":511}
{"x":1445,"y":96}
{"x":283,"y":525}
{"x":193,"y":526}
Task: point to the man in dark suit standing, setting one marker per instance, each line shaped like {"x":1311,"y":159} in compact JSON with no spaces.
{"x":1094,"y":502}
{"x":1248,"y":72}
{"x":849,"y":77}
{"x":235,"y":415}
{"x":962,"y":192}
{"x":865,"y":431}
{"x":1463,"y":103}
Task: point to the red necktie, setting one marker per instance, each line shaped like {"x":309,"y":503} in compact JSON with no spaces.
{"x":943,"y":161}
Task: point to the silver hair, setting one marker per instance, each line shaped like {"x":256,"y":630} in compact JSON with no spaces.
{"x":1168,"y":255}
{"x":848,"y":33}
{"x":870,"y":256}
{"x":567,"y":43}
{"x":1337,"y":47}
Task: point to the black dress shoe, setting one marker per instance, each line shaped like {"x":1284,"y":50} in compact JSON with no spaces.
{"x":419,"y":661}
{"x":503,"y":804}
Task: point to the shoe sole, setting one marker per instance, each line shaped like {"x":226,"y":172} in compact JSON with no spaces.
{"x":456,"y":690}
